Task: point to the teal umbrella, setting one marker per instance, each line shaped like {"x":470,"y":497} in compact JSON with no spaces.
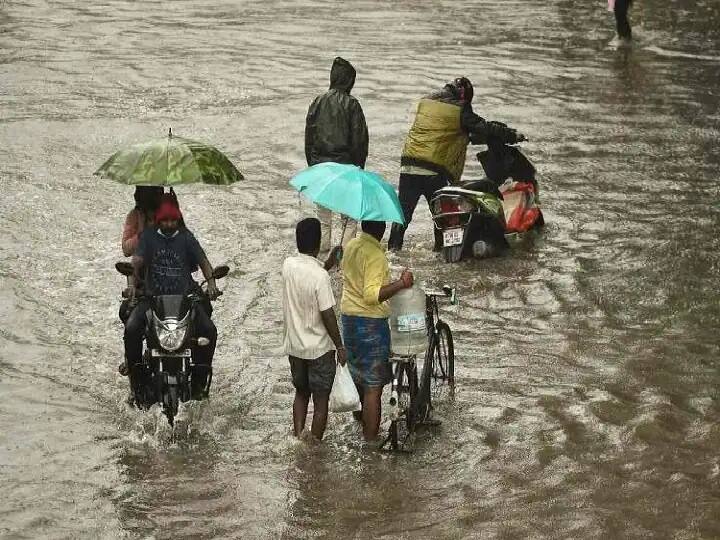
{"x":349,"y":190}
{"x":169,"y":161}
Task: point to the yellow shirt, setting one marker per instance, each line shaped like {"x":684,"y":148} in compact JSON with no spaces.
{"x":365,"y":271}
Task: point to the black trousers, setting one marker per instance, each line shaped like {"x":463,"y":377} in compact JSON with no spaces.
{"x":411,"y":187}
{"x":621,"y":20}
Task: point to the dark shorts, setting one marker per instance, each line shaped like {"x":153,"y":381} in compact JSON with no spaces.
{"x":313,"y":376}
{"x":367,"y":341}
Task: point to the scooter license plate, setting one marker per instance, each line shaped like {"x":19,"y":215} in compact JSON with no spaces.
{"x":453,"y":237}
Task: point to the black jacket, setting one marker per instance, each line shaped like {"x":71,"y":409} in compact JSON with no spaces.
{"x":335,"y":128}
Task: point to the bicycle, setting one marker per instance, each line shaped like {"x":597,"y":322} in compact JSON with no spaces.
{"x":410,"y":399}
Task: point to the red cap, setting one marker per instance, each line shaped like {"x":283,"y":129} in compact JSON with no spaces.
{"x":167,"y":210}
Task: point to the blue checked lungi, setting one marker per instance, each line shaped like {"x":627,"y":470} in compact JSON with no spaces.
{"x":367,"y":341}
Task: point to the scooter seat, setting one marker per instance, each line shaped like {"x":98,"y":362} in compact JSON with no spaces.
{"x":485,"y":186}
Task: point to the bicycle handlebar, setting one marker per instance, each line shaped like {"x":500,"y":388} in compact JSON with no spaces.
{"x":446,"y":291}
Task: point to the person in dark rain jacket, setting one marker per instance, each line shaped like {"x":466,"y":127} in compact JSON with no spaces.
{"x":335,"y":130}
{"x":621,"y":19}
{"x":435,"y":147}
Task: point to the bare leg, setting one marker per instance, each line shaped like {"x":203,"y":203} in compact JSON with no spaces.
{"x":371,"y":412}
{"x":300,"y":408}
{"x":358,"y":415}
{"x":320,"y":414}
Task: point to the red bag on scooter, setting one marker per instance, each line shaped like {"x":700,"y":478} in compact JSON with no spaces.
{"x":519,"y":205}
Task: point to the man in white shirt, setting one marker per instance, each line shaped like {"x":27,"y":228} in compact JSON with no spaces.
{"x":311,"y":332}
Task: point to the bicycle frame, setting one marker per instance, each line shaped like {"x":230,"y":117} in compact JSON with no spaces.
{"x":405,"y":376}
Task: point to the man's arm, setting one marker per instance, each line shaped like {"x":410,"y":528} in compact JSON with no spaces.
{"x":137,"y":263}
{"x":199,"y":257}
{"x":330,"y":322}
{"x":333,"y":258}
{"x":391,"y":289}
{"x":130,"y":236}
{"x":359,"y":135}
{"x":207,"y":270}
{"x":480,"y":130}
{"x":310,"y":131}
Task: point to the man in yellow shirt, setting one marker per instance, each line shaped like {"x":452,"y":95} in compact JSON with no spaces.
{"x":366,"y":333}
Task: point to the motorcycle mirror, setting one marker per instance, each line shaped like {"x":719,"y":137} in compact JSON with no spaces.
{"x":220,"y":271}
{"x":125,"y":268}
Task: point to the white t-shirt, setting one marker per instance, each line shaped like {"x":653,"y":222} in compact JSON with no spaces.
{"x":306,"y":292}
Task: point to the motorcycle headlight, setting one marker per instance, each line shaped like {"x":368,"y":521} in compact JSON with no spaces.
{"x":171,"y":334}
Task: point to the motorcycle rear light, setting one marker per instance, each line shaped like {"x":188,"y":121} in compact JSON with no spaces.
{"x":449,"y":205}
{"x":465,"y":206}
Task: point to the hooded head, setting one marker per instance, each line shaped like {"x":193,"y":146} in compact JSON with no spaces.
{"x":342,"y":75}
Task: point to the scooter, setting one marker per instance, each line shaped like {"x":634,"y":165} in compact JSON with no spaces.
{"x":477,"y":218}
{"x":165,"y":374}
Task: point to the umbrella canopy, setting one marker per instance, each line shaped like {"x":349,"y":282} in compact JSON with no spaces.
{"x":169,"y":161}
{"x":349,"y":190}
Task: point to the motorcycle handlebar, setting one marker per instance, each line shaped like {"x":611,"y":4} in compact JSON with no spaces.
{"x":141,"y":294}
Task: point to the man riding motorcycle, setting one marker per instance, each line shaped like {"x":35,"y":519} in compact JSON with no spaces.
{"x":164,"y":261}
{"x":435,"y":148}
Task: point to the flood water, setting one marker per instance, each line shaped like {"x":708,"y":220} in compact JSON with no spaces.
{"x":587,"y":359}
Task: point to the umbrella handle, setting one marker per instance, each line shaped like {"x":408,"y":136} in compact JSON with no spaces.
{"x":167,"y":156}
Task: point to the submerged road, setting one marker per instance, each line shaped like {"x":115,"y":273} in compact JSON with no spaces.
{"x":587,"y":360}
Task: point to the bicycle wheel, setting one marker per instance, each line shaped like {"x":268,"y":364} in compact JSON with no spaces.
{"x":402,"y":427}
{"x":444,"y":354}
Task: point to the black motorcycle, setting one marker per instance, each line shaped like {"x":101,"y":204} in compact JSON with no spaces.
{"x":165,"y":374}
{"x":476,"y":216}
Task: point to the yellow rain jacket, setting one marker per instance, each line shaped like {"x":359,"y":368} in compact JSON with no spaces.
{"x":436,"y":140}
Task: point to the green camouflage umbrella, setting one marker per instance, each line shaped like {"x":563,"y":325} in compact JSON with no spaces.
{"x":169,"y":161}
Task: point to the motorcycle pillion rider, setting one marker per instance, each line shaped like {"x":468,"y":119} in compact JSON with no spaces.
{"x":147,"y":200}
{"x":435,"y":149}
{"x":166,"y":256}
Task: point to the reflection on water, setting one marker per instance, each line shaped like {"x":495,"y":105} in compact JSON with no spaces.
{"x":587,"y":402}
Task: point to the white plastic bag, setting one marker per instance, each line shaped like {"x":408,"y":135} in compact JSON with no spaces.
{"x":344,"y":396}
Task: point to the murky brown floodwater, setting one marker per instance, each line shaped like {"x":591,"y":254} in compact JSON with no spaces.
{"x":587,"y":402}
